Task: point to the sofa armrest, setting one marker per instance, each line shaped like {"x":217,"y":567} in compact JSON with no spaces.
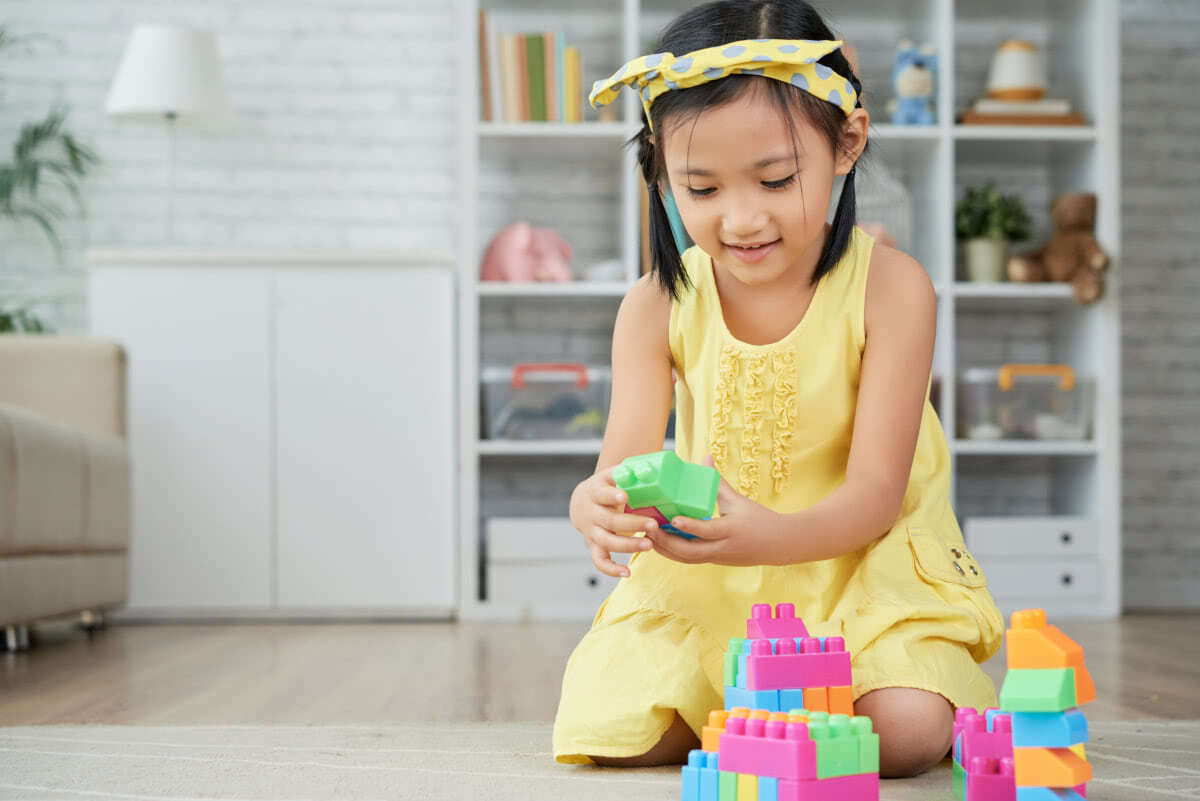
{"x":78,"y":382}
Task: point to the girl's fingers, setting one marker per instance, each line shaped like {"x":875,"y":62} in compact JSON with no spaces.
{"x":609,"y":496}
{"x":618,"y":542}
{"x":704,"y":529}
{"x":681,"y":550}
{"x":623,"y":522}
{"x":602,"y":559}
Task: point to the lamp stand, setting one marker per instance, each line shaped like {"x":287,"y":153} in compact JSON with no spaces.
{"x":170,"y":222}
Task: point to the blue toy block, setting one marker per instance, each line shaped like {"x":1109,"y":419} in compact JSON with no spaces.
{"x":791,"y":699}
{"x":700,"y":777}
{"x":958,"y":745}
{"x":1047,"y":794}
{"x":1049,"y":729}
{"x":752,"y":699}
{"x":741,"y":673}
{"x":990,"y":715}
{"x":710,"y":779}
{"x":768,"y":788}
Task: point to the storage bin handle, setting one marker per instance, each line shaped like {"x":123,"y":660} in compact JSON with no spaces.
{"x":1066,"y":376}
{"x":521,"y":370}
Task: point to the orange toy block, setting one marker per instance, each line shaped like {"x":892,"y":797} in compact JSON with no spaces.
{"x":816,"y":699}
{"x":841,"y":701}
{"x":1034,"y":644}
{"x":1049,"y":767}
{"x":710,"y":736}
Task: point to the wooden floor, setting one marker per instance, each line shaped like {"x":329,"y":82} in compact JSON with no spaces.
{"x":1144,"y":667}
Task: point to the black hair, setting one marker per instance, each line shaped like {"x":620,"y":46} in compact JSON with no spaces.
{"x":717,"y":23}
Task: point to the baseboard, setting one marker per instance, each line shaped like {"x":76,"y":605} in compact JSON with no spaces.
{"x":258,"y":615}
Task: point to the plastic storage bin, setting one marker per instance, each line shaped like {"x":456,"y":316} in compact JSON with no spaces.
{"x":545,"y":401}
{"x":1025,"y":401}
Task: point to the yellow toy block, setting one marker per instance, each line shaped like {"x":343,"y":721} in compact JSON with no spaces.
{"x":1079,"y":751}
{"x":816,"y":699}
{"x":1034,"y":644}
{"x":1049,"y":767}
{"x":747,"y":786}
{"x":841,"y":701}
{"x":710,"y":738}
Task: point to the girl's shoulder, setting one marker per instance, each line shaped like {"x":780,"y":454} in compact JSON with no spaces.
{"x":646,"y":311}
{"x":897,"y":284}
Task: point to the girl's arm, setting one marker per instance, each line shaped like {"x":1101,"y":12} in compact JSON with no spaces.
{"x":901,"y":315}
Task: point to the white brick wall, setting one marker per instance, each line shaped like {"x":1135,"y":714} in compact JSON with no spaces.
{"x":347,"y":140}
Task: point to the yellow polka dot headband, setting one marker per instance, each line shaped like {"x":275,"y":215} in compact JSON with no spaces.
{"x":792,"y":61}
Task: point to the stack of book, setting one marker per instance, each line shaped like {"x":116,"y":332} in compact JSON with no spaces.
{"x":1045,"y":111}
{"x":528,"y":77}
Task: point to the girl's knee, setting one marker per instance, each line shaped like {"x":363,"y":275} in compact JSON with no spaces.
{"x":915,"y":728}
{"x":671,"y":749}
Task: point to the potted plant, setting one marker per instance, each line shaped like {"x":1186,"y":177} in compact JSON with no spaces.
{"x":987,"y":221}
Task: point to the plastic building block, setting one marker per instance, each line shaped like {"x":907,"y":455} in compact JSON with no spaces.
{"x":1050,"y":767}
{"x":978,"y":742}
{"x":958,"y":738}
{"x":791,"y":667}
{"x":990,"y":780}
{"x":747,"y":786}
{"x":791,"y":699}
{"x":960,"y":781}
{"x":784,"y":624}
{"x":1031,"y":643}
{"x":753,"y":699}
{"x":868,"y":744}
{"x":1049,"y":729}
{"x":841,"y":700}
{"x":1079,"y":751}
{"x":860,"y":787}
{"x":727,"y":785}
{"x":710,"y":734}
{"x":778,"y":747}
{"x":816,"y":699}
{"x":669,"y":484}
{"x":837,"y":747}
{"x":1032,"y":690}
{"x":700,"y":777}
{"x":1047,"y":794}
{"x":731,"y":660}
{"x":768,"y":788}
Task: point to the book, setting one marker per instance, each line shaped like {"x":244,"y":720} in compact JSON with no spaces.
{"x":522,"y":77}
{"x":1049,"y":106}
{"x":573,"y":92}
{"x":561,"y":71}
{"x":510,"y":71}
{"x":496,"y":77}
{"x":485,"y":87}
{"x":535,"y":56}
{"x":551,"y":77}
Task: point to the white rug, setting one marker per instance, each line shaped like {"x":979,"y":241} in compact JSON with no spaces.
{"x":482,"y":762}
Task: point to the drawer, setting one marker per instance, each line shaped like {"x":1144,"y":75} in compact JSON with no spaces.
{"x":1031,"y":536}
{"x":566,"y":584}
{"x":1057,"y":579}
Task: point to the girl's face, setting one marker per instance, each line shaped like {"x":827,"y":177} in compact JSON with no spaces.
{"x":742,"y":195}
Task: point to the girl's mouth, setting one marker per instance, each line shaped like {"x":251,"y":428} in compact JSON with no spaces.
{"x":753,"y":254}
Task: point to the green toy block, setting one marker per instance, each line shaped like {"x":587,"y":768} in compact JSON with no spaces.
{"x":868,"y":744}
{"x":837,"y":747}
{"x":960,"y":782}
{"x":736,"y":644}
{"x":727,"y":786}
{"x":669,"y":484}
{"x":1038,"y":690}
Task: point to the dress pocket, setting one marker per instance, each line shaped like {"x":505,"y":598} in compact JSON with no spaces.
{"x":938,"y":560}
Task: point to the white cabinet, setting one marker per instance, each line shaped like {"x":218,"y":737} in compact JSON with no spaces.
{"x":292,"y":430}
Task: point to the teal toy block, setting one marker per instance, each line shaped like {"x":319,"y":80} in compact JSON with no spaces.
{"x":669,"y":484}
{"x":768,"y":788}
{"x":1047,"y":794}
{"x":1038,"y":690}
{"x":1049,"y":729}
{"x":960,"y":782}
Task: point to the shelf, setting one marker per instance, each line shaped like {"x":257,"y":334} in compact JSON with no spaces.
{"x":545,"y":447}
{"x":1024,"y":447}
{"x":1026,"y":133}
{"x":575,"y":289}
{"x":902,"y":132}
{"x":557,"y":130}
{"x":1054,"y":290}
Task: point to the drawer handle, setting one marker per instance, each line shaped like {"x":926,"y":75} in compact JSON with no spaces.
{"x":1065,"y":538}
{"x":593,"y":581}
{"x":1066,"y":579}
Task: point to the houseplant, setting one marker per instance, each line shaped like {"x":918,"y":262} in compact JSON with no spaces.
{"x":986,"y":222}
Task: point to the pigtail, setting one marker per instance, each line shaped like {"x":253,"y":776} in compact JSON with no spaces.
{"x":665,"y":258}
{"x":846,"y":215}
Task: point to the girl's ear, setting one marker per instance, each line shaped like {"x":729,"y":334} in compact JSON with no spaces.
{"x":854,"y":140}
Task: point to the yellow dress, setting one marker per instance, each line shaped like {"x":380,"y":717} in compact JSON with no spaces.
{"x":913,"y":605}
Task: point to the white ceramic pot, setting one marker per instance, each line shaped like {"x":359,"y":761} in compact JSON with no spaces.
{"x":1017,"y":72}
{"x":985,"y":259}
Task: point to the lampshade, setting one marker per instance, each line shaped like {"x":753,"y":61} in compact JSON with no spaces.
{"x":170,"y":69}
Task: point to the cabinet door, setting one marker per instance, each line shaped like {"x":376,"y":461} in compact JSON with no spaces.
{"x":199,"y":431}
{"x":365,"y":439}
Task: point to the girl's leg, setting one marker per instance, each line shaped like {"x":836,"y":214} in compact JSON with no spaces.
{"x":915,"y":727}
{"x":671,"y":749}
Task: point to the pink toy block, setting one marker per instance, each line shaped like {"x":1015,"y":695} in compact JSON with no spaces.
{"x":859,"y":787}
{"x":991,"y":779}
{"x":650,"y":512}
{"x":978,"y":741}
{"x":786,"y":669}
{"x":768,"y":748}
{"x":783,"y":624}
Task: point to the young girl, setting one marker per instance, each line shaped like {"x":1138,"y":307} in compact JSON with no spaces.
{"x":802,"y":353}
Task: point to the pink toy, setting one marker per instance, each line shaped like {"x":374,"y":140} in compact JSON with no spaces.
{"x":978,"y":742}
{"x":768,"y":748}
{"x":991,"y":780}
{"x":789,"y":668}
{"x":784,"y":624}
{"x":522,"y":253}
{"x":859,"y":787}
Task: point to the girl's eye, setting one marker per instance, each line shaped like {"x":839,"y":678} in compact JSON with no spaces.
{"x":700,"y":192}
{"x":781,"y":183}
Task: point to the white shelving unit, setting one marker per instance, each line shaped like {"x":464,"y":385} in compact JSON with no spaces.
{"x":1003,"y":322}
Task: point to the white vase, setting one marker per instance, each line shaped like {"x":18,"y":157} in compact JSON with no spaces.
{"x":985,"y":259}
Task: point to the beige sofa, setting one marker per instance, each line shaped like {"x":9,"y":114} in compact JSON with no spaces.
{"x":64,"y":482}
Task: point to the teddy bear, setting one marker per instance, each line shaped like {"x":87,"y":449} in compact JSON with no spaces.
{"x":522,"y":253}
{"x":913,"y":74}
{"x":1072,"y":253}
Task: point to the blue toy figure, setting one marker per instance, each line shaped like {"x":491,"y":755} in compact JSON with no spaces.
{"x":913,"y":80}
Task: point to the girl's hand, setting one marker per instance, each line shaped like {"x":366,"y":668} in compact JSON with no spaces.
{"x":746,"y":533}
{"x":598,"y":512}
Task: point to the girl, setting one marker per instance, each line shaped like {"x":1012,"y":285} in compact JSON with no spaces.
{"x":803,"y":354}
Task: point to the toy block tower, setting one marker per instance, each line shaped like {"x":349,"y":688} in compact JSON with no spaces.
{"x":661,"y":485}
{"x":1032,"y":748}
{"x":779,"y":667}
